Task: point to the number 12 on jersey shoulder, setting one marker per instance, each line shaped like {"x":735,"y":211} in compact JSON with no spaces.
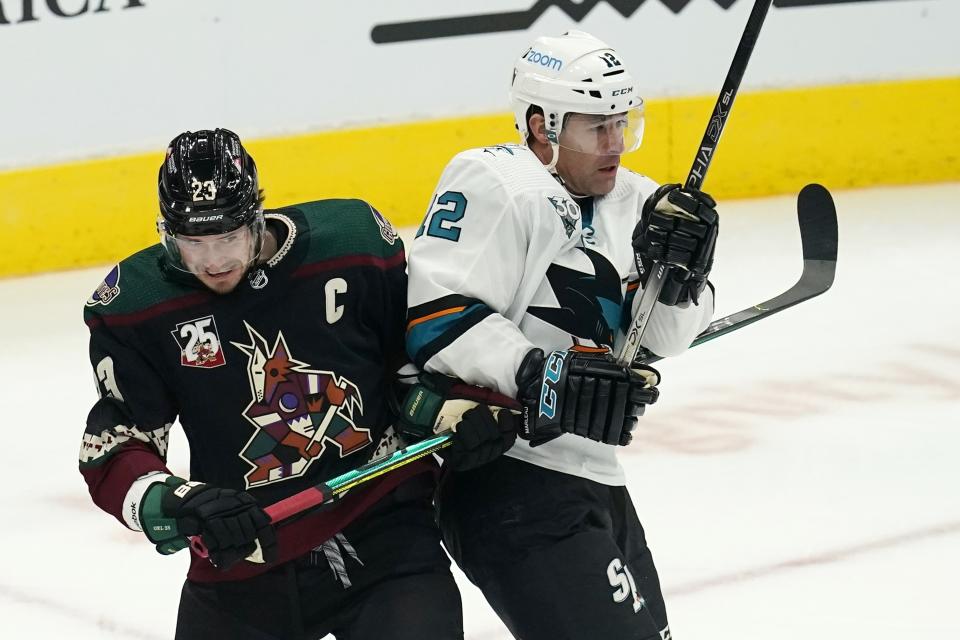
{"x":448,"y":208}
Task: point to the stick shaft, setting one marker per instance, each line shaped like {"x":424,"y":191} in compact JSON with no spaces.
{"x":698,"y":173}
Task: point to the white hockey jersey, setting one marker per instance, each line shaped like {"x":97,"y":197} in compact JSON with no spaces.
{"x":507,"y":260}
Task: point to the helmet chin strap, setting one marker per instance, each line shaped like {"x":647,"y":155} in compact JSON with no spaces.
{"x":554,"y":154}
{"x":554,"y":157}
{"x":552,"y":168}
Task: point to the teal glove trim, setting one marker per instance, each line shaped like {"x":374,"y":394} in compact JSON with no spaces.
{"x":421,"y":408}
{"x":159,"y":528}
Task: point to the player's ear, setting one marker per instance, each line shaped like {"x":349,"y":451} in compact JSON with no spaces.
{"x":538,"y":128}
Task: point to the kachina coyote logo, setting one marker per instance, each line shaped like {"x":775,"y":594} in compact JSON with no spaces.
{"x":297,"y":412}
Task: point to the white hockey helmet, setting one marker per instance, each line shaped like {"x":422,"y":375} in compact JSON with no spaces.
{"x":576,"y":73}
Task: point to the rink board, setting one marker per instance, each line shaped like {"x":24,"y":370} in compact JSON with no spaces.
{"x":94,"y":212}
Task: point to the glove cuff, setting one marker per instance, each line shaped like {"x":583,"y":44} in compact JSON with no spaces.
{"x":541,"y":381}
{"x":134,"y":498}
{"x":161,"y":529}
{"x":437,"y":403}
{"x":528,"y":376}
{"x":420,"y":409}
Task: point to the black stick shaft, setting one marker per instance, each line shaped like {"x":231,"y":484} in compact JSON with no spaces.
{"x":698,"y":172}
{"x":721,"y":110}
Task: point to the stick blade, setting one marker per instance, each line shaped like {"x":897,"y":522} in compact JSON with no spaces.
{"x":817,"y":215}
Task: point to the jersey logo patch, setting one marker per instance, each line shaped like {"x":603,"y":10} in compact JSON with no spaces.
{"x":108,"y":290}
{"x":199,"y":343}
{"x":386,"y":229}
{"x":296,"y":411}
{"x":258,"y":279}
{"x":504,"y":148}
{"x":569,"y":212}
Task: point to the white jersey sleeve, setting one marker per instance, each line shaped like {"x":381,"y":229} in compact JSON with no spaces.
{"x":671,"y":329}
{"x":466,"y":265}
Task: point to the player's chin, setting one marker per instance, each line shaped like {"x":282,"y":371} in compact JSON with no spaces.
{"x":221,"y":282}
{"x":604,"y":180}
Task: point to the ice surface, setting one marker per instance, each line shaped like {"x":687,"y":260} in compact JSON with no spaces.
{"x":798,"y":478}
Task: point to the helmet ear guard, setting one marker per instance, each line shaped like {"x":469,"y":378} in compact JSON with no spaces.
{"x":574,"y":73}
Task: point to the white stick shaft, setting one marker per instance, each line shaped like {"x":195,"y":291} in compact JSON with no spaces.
{"x":638,"y":324}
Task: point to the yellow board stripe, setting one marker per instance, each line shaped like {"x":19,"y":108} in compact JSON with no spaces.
{"x":98,"y":211}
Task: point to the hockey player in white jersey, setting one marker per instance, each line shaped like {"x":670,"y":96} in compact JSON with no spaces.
{"x":522,"y":279}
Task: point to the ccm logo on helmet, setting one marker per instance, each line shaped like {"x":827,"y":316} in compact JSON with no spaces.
{"x":535,"y":57}
{"x":621,"y":92}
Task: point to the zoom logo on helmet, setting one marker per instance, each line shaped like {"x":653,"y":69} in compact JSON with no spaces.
{"x":535,"y":57}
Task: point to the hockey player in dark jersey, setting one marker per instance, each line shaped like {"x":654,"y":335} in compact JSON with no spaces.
{"x":273,"y":337}
{"x":522,"y":279}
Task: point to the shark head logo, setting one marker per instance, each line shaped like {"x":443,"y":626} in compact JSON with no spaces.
{"x":296,"y":412}
{"x":589,"y":303}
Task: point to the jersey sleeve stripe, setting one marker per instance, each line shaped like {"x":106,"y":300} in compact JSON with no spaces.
{"x":428,"y":337}
{"x":345,"y":262}
{"x":439,"y":305}
{"x":416,"y":321}
{"x":94,"y":320}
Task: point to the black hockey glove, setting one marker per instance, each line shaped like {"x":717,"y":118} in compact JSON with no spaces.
{"x":587,"y":394}
{"x":230,"y":523}
{"x":440,"y":403}
{"x":480,"y":438}
{"x":678,"y":227}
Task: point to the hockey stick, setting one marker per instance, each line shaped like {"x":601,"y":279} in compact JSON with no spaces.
{"x":333,"y":489}
{"x":817,"y":217}
{"x":698,"y":172}
{"x":330,"y":491}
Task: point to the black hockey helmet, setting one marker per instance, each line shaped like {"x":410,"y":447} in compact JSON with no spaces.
{"x":208,"y":185}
